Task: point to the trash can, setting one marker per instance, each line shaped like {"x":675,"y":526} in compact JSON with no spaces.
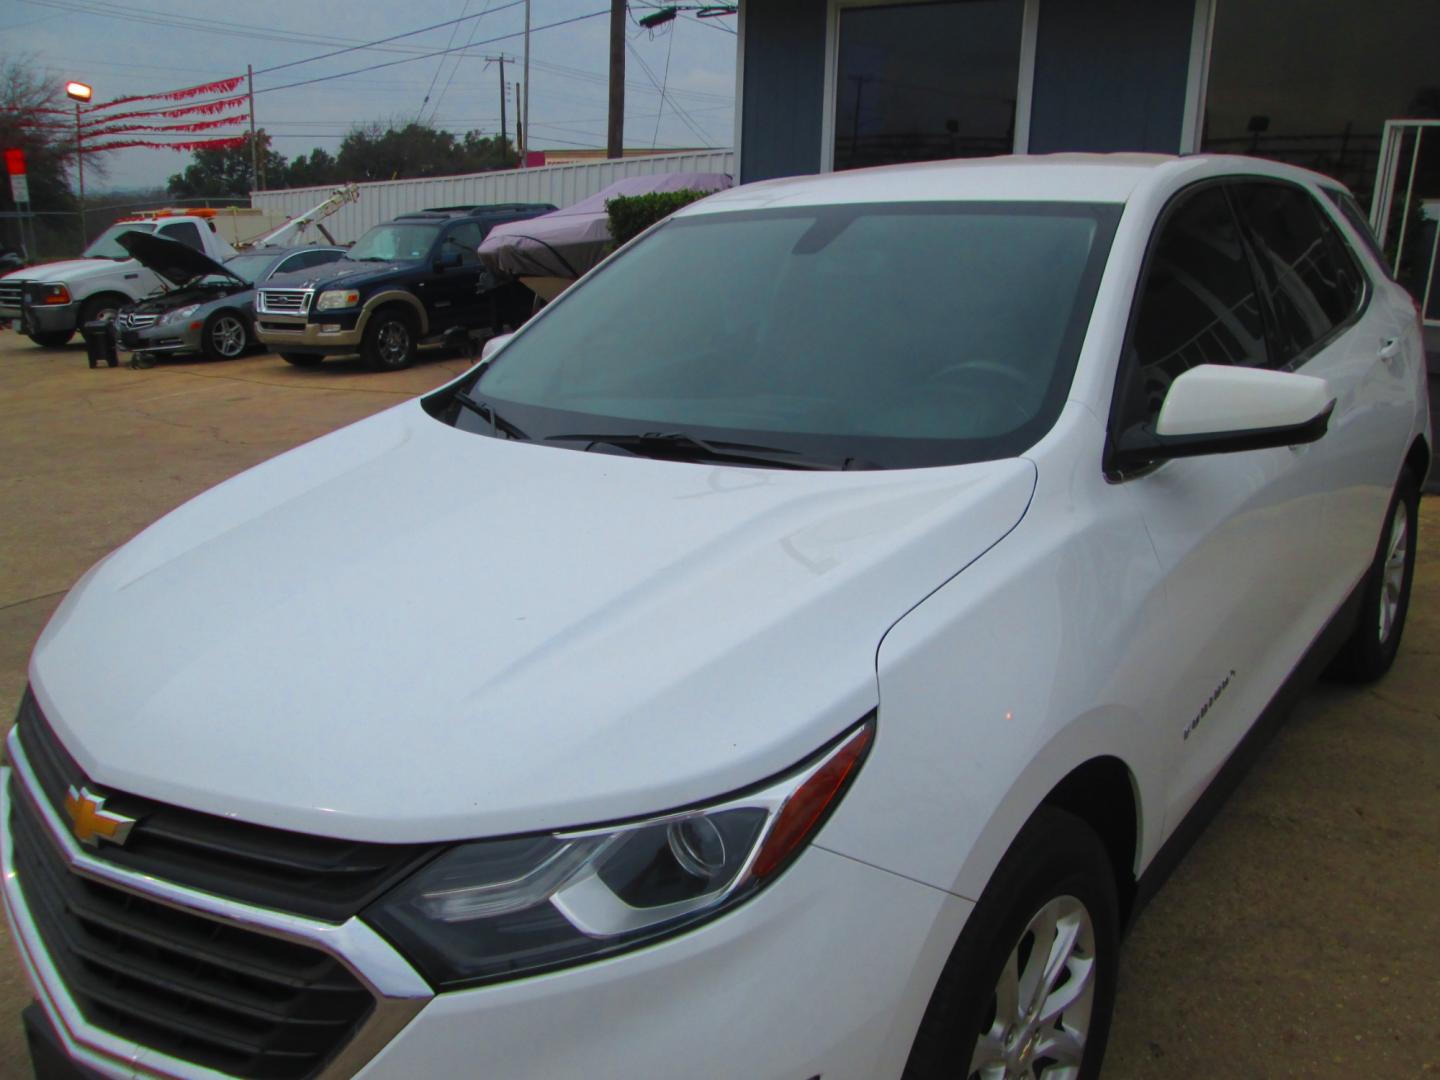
{"x":99,"y":337}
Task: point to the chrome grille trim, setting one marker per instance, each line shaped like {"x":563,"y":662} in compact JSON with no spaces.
{"x":400,"y":993}
{"x":284,"y":301}
{"x":130,"y":320}
{"x":10,"y":294}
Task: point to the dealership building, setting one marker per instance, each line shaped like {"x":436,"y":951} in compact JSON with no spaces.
{"x":1349,"y":90}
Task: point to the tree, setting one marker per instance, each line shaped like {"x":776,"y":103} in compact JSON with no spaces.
{"x":313,"y":171}
{"x":418,"y":150}
{"x":36,"y":117}
{"x":226,"y":172}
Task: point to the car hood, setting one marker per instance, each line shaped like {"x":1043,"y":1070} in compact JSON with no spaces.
{"x":349,"y":275}
{"x":405,"y":632}
{"x":172,"y":260}
{"x":67,"y":270}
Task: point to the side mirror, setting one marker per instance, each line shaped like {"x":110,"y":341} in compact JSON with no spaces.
{"x":494,"y":345}
{"x":447,"y":260}
{"x":1218,"y":409}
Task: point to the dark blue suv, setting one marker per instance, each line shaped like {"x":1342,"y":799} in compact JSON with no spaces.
{"x":403,"y":282}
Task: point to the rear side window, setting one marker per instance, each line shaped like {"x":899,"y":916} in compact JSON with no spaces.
{"x":1310,"y":275}
{"x":1197,"y":304}
{"x":1350,"y":210}
{"x":186,"y":232}
{"x":466,"y":238}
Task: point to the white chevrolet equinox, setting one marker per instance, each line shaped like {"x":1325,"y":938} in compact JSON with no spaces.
{"x":794,"y":654}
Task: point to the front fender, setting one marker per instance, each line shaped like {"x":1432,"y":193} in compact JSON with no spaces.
{"x":1036,"y":658}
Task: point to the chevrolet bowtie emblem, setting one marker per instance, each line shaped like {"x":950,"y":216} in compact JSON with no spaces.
{"x":91,"y":822}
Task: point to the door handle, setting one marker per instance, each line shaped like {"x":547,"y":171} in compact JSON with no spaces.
{"x":1389,"y":349}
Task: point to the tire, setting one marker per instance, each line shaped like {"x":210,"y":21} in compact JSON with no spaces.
{"x":51,"y":339}
{"x":389,"y":342}
{"x":1056,"y":876}
{"x":103,"y":306}
{"x":224,"y":336}
{"x":1372,"y":647}
{"x":302,"y":359}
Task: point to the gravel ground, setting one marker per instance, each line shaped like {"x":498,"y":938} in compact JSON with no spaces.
{"x":1297,"y":939}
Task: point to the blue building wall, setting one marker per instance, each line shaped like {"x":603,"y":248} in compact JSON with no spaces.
{"x":1109,"y":75}
{"x":783,"y":88}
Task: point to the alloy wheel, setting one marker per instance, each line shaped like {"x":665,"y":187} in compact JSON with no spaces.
{"x":1043,"y":1000}
{"x":228,"y":336}
{"x":393,"y":342}
{"x":1392,"y":583}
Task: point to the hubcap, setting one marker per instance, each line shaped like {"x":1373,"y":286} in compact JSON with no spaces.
{"x":1393,"y":580}
{"x":1043,"y":999}
{"x":394,"y":342}
{"x":228,"y":337}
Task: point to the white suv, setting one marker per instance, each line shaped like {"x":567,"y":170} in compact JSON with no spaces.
{"x":787,"y":657}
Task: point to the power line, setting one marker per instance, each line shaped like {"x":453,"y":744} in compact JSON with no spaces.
{"x":420,"y":113}
{"x":397,"y":37}
{"x":437,"y":52}
{"x":458,"y":61}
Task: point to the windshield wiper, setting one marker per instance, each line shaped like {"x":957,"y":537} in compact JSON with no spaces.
{"x":497,"y":422}
{"x":685,"y":447}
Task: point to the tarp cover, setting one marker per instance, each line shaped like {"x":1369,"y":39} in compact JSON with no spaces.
{"x":569,"y":242}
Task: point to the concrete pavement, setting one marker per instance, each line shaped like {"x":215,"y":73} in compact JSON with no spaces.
{"x":1297,"y":939}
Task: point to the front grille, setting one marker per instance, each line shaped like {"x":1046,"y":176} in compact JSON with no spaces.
{"x":225,"y":998}
{"x":315,"y":876}
{"x":10,"y":292}
{"x":284,"y":301}
{"x":130,"y":320}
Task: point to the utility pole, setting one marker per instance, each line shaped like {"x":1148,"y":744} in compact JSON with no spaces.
{"x":503,"y":136}
{"x":254,"y":146}
{"x":522,"y":104}
{"x":615,"y":143}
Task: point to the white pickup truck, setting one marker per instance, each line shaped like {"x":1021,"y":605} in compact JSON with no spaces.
{"x":51,"y":301}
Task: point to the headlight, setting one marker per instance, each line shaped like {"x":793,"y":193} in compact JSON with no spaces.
{"x":339,"y":298}
{"x":500,"y":908}
{"x":179,"y":313}
{"x":52,"y":294}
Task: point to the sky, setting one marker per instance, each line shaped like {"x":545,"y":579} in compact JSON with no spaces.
{"x":125,"y":47}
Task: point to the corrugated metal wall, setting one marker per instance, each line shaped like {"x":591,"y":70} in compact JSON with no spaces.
{"x":563,"y":185}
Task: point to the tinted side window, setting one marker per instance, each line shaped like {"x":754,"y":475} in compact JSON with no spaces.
{"x":465,"y":238}
{"x":1197,"y":303}
{"x":1352,"y":213}
{"x":1310,"y":276}
{"x":186,"y":232}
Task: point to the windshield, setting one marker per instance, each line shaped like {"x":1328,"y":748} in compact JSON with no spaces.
{"x":890,"y":336}
{"x":245,"y":267}
{"x":394,"y":243}
{"x":105,"y":245}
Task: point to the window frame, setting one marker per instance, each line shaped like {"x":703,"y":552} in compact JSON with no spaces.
{"x":1367,"y":290}
{"x":1125,"y":366}
{"x":1024,"y":89}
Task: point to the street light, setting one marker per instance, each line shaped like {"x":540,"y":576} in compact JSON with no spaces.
{"x":80,"y":93}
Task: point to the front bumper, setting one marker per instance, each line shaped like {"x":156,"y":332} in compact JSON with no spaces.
{"x":176,"y":338}
{"x":826,"y":973}
{"x":43,"y":319}
{"x":296,"y":334}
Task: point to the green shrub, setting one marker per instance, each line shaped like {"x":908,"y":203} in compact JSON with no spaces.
{"x":630,"y":215}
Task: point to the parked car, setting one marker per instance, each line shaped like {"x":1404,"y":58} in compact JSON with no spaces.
{"x":806,"y":674}
{"x":51,"y":301}
{"x":210,"y":306}
{"x":404,"y":282}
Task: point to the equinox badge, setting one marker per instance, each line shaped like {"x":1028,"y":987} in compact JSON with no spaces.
{"x":91,"y":822}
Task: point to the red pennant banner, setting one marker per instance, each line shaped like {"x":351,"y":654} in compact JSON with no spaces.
{"x":222,"y":86}
{"x":203,"y":125}
{"x":227,"y":143}
{"x":205,"y":108}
